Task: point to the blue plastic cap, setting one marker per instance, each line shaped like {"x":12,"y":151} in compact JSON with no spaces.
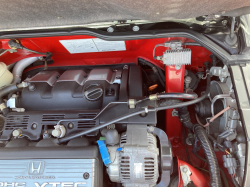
{"x":104,"y":152}
{"x":119,"y":149}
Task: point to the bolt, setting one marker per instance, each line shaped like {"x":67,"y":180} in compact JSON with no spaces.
{"x":184,"y":169}
{"x":14,"y":95}
{"x":177,"y":67}
{"x":151,"y":129}
{"x":176,"y":140}
{"x":187,"y":81}
{"x":110,"y":29}
{"x":174,"y":112}
{"x":125,"y":67}
{"x":34,"y":126}
{"x":86,"y":175}
{"x":70,"y":125}
{"x":136,"y":28}
{"x":32,"y":87}
{"x":224,"y":22}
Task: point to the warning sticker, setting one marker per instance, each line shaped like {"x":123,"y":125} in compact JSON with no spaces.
{"x":92,"y":45}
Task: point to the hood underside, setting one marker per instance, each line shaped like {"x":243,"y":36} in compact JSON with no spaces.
{"x":20,"y":15}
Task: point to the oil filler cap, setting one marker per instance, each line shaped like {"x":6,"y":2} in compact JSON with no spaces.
{"x":93,"y":92}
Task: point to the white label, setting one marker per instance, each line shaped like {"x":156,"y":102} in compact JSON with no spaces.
{"x":79,"y":46}
{"x":138,"y":170}
{"x":92,"y":45}
{"x":103,"y":45}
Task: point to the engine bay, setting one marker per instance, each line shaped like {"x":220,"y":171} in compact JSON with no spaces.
{"x":161,"y":112}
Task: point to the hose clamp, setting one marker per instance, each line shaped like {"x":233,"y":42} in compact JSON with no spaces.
{"x":22,"y":85}
{"x":132,"y":103}
{"x":2,"y":106}
{"x":153,"y":97}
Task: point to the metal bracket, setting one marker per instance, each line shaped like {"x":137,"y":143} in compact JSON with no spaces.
{"x":185,"y":174}
{"x":174,"y":44}
{"x":174,"y":112}
{"x":6,"y":50}
{"x":222,"y":73}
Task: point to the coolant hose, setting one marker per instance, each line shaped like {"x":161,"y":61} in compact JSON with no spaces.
{"x":215,"y":180}
{"x":183,"y":104}
{"x":20,"y":66}
{"x":182,"y":111}
{"x":6,"y":90}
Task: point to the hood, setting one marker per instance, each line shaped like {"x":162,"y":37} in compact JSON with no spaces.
{"x":37,"y":14}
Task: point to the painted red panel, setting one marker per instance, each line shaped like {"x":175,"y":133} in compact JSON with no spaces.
{"x":174,"y":83}
{"x":199,"y":178}
{"x":134,"y":49}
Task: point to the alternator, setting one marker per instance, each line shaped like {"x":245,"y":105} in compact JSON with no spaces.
{"x":135,"y":160}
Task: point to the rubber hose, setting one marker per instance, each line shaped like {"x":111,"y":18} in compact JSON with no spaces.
{"x":184,"y":117}
{"x":215,"y":180}
{"x":20,"y":66}
{"x":4,"y":91}
{"x":182,"y":111}
{"x":177,"y":96}
{"x":182,"y":104}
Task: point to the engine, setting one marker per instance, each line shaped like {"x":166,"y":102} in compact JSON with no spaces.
{"x":61,"y":103}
